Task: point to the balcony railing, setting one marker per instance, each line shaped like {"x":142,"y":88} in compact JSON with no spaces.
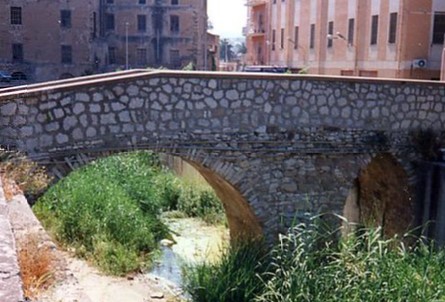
{"x":256,"y":30}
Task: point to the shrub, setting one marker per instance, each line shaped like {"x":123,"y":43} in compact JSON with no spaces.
{"x":109,"y":210}
{"x":107,"y":213}
{"x":196,"y":200}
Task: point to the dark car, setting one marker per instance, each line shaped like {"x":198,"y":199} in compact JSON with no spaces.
{"x":269,"y":69}
{"x":5,"y":77}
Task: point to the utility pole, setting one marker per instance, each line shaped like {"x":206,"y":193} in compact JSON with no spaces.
{"x":126,"y":45}
{"x":206,"y":46}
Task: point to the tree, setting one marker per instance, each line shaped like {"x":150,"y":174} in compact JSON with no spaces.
{"x":241,"y":48}
{"x":226,"y":50}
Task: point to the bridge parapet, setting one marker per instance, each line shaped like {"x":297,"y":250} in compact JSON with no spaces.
{"x":286,"y":144}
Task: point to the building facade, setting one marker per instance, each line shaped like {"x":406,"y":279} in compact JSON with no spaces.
{"x":258,"y":32}
{"x":375,"y":38}
{"x":46,"y":39}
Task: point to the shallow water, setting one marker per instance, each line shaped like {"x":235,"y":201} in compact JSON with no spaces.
{"x":168,"y":266}
{"x":195,"y":242}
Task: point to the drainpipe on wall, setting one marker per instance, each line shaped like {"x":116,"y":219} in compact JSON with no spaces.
{"x":442,"y":68}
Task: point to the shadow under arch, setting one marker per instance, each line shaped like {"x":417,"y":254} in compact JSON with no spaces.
{"x":381,"y":196}
{"x":243,"y":223}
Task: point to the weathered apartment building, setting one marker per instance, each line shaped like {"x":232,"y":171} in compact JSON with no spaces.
{"x":50,"y":39}
{"x":374,"y":38}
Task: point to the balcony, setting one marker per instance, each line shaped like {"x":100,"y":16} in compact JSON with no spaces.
{"x":256,"y":2}
{"x":256,"y":31}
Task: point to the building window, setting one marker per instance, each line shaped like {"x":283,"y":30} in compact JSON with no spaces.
{"x":392,"y":28}
{"x":174,"y":23}
{"x":347,"y":72}
{"x":65,"y":18}
{"x":141,"y":55}
{"x":273,"y":39}
{"x":374,"y":29}
{"x":109,"y":21}
{"x":296,"y":33}
{"x":175,"y":60}
{"x":351,"y":29}
{"x":110,"y":1}
{"x":17,"y":52}
{"x":67,"y":54}
{"x":142,"y":23}
{"x":368,"y":73}
{"x":142,"y":1}
{"x":282,"y":39}
{"x":260,"y":23}
{"x":312,"y":37}
{"x":175,"y":2}
{"x":439,"y":28}
{"x":331,"y":32}
{"x":111,"y":55}
{"x":16,"y":15}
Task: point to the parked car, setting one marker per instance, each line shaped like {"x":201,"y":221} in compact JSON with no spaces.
{"x":269,"y":69}
{"x":18,"y":76}
{"x":5,"y":77}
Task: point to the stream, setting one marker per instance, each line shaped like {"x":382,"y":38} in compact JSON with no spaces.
{"x":195,"y":242}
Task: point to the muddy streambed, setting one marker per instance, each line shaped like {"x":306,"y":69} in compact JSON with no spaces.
{"x":194,"y":242}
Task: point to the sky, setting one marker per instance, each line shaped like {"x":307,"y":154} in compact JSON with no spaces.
{"x":228,"y":17}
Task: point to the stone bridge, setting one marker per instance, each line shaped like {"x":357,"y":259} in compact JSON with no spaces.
{"x":273,"y":147}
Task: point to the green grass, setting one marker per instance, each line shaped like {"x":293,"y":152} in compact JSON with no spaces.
{"x":309,"y":264}
{"x":197,"y":200}
{"x":232,"y":279}
{"x":109,"y":210}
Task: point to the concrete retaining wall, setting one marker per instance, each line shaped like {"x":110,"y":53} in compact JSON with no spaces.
{"x":10,"y":281}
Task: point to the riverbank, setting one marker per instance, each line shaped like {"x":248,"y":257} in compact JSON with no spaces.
{"x":77,"y":280}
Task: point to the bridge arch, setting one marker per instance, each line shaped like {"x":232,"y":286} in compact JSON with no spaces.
{"x":382,"y":195}
{"x":243,"y":222}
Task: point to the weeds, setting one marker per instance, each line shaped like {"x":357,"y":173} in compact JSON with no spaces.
{"x":36,"y":266}
{"x":196,"y":200}
{"x":17,"y":169}
{"x":361,"y":267}
{"x":309,"y":264}
{"x":98,"y":211}
{"x":232,"y":279}
{"x":109,"y":210}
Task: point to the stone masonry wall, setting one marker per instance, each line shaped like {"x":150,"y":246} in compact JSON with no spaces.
{"x":288,"y":144}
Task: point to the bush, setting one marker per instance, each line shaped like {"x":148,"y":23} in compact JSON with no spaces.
{"x":196,"y":200}
{"x":107,"y":212}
